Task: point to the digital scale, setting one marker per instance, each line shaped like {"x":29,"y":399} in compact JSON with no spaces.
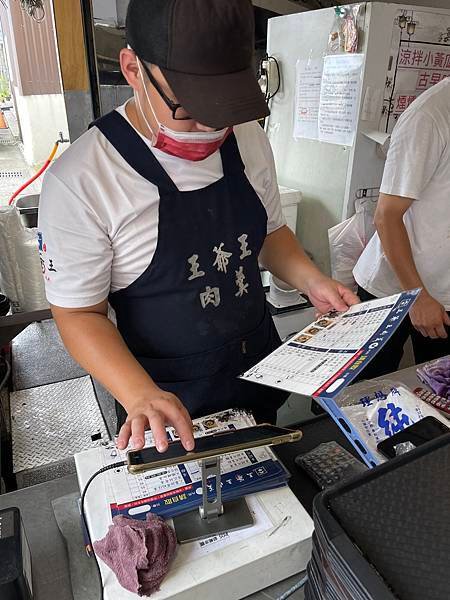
{"x":233,"y":571}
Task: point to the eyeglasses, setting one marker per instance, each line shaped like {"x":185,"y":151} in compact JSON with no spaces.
{"x":178,"y":112}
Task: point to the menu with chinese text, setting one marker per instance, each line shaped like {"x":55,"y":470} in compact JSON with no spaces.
{"x":326,"y":356}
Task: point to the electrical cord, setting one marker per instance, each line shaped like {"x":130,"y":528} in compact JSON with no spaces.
{"x":83,"y":515}
{"x":270,"y":96}
{"x":34,"y":8}
{"x":263,"y":76}
{"x":294,"y":588}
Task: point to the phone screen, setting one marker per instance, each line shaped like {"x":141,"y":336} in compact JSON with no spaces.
{"x":418,"y":433}
{"x":209,"y":443}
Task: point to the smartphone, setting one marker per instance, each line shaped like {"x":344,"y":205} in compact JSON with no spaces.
{"x":418,"y":433}
{"x":210,"y":446}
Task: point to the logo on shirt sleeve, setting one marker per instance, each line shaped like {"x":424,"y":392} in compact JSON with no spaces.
{"x":47,"y":264}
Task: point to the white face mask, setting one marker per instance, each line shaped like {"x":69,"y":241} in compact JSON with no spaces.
{"x":189,"y":145}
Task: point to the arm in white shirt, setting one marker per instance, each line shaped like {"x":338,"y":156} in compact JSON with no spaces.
{"x":427,"y":315}
{"x":414,"y":154}
{"x":284,"y":257}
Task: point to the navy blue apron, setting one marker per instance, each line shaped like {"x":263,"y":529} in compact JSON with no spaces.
{"x":196,"y":318}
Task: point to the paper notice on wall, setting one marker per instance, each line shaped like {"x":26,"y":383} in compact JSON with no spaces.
{"x":307,"y":97}
{"x":339,"y":94}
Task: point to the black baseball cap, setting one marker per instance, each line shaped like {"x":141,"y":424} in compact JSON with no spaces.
{"x":204,"y":49}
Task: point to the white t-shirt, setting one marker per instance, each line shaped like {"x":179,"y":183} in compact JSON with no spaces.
{"x":418,"y":167}
{"x":99,"y":219}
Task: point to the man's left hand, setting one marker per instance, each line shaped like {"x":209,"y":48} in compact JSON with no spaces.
{"x":327,"y":294}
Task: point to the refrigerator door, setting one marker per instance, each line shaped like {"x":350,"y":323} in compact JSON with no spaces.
{"x":406,"y":50}
{"x":318,"y":169}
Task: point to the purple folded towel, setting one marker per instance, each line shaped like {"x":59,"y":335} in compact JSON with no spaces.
{"x":436,"y":374}
{"x":139,"y":552}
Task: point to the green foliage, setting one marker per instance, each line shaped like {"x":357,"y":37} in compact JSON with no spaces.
{"x":5,"y":92}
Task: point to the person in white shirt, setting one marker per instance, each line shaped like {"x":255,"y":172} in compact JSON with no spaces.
{"x":163,"y":210}
{"x":411,"y":248}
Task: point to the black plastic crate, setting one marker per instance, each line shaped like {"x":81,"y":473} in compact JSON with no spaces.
{"x":389,"y":529}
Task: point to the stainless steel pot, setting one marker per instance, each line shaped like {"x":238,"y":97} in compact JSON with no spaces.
{"x":28,"y":208}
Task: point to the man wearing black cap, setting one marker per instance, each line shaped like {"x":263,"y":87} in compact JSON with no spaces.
{"x":162,"y":210}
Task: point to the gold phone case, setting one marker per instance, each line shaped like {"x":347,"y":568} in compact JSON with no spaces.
{"x":291,"y":435}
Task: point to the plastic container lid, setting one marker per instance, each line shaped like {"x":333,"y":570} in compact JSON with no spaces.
{"x":289,"y":197}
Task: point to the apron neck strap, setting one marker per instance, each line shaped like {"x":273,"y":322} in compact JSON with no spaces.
{"x":231,"y":157}
{"x":134,"y":150}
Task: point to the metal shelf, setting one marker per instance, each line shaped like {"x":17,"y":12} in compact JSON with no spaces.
{"x":12,"y":325}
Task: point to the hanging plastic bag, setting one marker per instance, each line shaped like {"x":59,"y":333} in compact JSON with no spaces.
{"x":347,"y":241}
{"x":350,"y":28}
{"x":336,"y":39}
{"x":344,"y":35}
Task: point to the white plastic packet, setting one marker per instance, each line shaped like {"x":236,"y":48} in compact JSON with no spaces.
{"x":386,"y":411}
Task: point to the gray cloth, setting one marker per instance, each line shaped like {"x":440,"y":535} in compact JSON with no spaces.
{"x":83,"y":574}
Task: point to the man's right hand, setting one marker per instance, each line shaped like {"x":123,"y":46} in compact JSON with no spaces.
{"x":429,"y":317}
{"x":96,"y":344}
{"x":155,"y":412}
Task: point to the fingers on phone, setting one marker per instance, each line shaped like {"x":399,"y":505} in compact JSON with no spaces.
{"x":158,"y":427}
{"x":180,"y":419}
{"x":138,"y":425}
{"x":124,"y":435}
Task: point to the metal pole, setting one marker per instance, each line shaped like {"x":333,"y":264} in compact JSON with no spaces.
{"x":88,"y":26}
